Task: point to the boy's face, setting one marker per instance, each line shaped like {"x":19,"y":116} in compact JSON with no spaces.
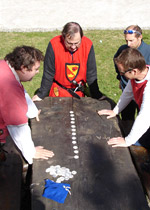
{"x":128,"y":73}
{"x":26,"y":75}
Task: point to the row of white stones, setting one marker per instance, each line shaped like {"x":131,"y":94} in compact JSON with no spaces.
{"x":64,"y":173}
{"x":74,"y":137}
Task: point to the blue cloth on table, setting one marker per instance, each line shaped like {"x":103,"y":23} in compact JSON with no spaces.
{"x":56,"y":191}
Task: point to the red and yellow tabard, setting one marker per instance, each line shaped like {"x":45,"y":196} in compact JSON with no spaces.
{"x":69,"y":67}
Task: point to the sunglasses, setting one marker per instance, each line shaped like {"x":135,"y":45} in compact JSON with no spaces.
{"x":71,"y":44}
{"x":131,"y":32}
{"x":123,"y":72}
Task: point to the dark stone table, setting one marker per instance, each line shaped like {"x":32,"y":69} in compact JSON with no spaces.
{"x":106,"y":178}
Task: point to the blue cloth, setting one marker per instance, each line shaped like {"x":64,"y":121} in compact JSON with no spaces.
{"x":137,"y":143}
{"x":56,"y":191}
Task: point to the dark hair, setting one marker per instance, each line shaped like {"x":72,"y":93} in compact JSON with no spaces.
{"x":136,"y":28}
{"x":70,"y":29}
{"x":25,"y":56}
{"x":131,"y":58}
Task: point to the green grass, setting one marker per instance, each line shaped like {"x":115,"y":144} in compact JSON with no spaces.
{"x":104,"y":52}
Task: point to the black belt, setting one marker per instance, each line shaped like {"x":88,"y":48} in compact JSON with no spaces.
{"x":70,"y":90}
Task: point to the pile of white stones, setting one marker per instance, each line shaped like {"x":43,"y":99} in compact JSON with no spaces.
{"x":62,"y":173}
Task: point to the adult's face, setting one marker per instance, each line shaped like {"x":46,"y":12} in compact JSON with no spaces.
{"x":26,"y":75}
{"x":73,"y":43}
{"x":128,"y":73}
{"x":133,"y":41}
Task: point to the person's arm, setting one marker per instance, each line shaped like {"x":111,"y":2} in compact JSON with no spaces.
{"x":32,"y":109}
{"x":92,"y":75}
{"x":125,"y":98}
{"x":94,"y":90}
{"x":21,"y":135}
{"x":48,"y":74}
{"x":140,"y":126}
{"x":141,"y":123}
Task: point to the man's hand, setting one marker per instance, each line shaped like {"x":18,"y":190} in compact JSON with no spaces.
{"x":37,"y":117}
{"x":36,"y":98}
{"x":117,"y":142}
{"x":43,"y":153}
{"x":110,"y":113}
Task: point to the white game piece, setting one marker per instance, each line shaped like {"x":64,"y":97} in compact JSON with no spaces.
{"x":73,"y":126}
{"x":74,"y":172}
{"x":74,"y":142}
{"x":71,"y":115}
{"x":58,"y":180}
{"x":47,"y":170}
{"x":72,"y":122}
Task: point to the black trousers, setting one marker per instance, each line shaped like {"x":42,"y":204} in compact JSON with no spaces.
{"x":145,"y":139}
{"x":129,"y":112}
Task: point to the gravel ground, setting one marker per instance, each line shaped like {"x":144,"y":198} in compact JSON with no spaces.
{"x":48,"y":15}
